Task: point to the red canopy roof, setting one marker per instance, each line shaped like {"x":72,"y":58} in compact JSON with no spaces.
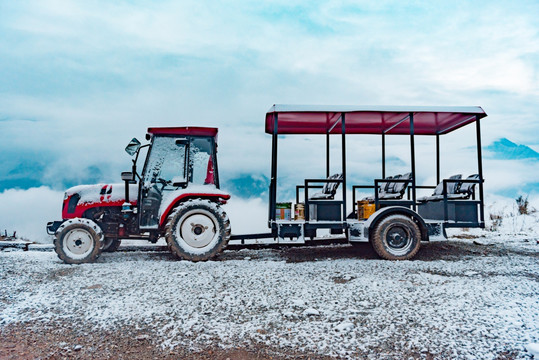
{"x":191,"y":130}
{"x":428,"y":120}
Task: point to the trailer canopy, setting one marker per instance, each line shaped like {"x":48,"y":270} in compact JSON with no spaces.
{"x":320,"y":119}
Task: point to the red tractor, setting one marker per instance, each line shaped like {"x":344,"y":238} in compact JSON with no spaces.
{"x":177,"y":197}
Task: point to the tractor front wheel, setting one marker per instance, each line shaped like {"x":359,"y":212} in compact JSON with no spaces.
{"x":197,"y":230}
{"x":78,"y":241}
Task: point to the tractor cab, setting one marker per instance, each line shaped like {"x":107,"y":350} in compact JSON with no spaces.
{"x":179,"y":161}
{"x":176,"y":196}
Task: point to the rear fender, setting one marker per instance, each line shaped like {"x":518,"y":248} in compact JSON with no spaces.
{"x":391,"y":210}
{"x":219,"y":198}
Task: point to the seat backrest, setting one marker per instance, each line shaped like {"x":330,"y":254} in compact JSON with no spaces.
{"x":451,"y":187}
{"x":467,"y":188}
{"x":330,"y":188}
{"x":399,"y":187}
{"x":384,"y":188}
{"x":390,"y":188}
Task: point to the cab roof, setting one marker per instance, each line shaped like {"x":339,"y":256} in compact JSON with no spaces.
{"x":188,"y":130}
{"x":323,"y":119}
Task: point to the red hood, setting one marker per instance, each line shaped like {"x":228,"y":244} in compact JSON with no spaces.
{"x":99,"y":193}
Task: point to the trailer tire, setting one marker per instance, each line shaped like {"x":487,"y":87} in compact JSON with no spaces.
{"x":396,"y":237}
{"x":111,"y":244}
{"x":197,"y":230}
{"x":78,"y":241}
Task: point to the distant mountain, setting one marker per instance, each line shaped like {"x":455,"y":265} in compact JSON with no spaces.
{"x":246,"y":186}
{"x":508,"y":150}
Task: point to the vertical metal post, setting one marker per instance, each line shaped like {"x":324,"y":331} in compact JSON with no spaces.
{"x":343,"y":129}
{"x":273,"y":180}
{"x":412,"y":150}
{"x":383,"y":155}
{"x":327,"y":155}
{"x":215,"y":165}
{"x":437,"y":158}
{"x":480,"y":171}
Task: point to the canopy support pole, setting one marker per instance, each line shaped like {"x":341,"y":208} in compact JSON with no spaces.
{"x":383,"y":155}
{"x":480,"y":172}
{"x":412,"y":151}
{"x":437,"y":158}
{"x":273,"y":180}
{"x":327,"y":155}
{"x":343,"y":129}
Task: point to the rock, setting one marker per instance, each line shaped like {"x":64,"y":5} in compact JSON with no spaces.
{"x":290,"y":315}
{"x":77,"y":347}
{"x":344,"y":327}
{"x":311,"y":312}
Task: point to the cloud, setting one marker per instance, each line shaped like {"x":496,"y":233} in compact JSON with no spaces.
{"x":28,"y":211}
{"x":95,"y":74}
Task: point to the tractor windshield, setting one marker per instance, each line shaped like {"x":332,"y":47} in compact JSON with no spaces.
{"x":166,"y":162}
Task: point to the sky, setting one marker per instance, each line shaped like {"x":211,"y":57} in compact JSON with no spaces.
{"x":80,"y":79}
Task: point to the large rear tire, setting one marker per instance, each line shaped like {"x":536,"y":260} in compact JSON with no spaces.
{"x":78,"y":241}
{"x":197,"y":230}
{"x":396,"y":237}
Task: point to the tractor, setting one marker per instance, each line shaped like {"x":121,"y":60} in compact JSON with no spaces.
{"x":176,"y":196}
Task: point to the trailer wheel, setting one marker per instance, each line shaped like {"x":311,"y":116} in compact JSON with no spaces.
{"x":197,"y":230}
{"x":78,"y":241}
{"x":396,"y":237}
{"x":111,"y":244}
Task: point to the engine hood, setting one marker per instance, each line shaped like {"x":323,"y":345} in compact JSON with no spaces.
{"x":99,"y":193}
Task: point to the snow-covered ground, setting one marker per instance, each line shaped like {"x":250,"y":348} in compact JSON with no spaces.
{"x":458,"y":299}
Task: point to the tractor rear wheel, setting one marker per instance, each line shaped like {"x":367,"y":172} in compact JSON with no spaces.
{"x":111,"y":244}
{"x":197,"y":230}
{"x":396,"y":237}
{"x":78,"y":241}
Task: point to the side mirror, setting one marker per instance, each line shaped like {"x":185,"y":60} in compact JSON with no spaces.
{"x":132,"y":147}
{"x":128,"y":176}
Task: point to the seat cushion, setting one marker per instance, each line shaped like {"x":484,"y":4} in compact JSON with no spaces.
{"x":320,"y":195}
{"x":441,"y":197}
{"x":390,"y":196}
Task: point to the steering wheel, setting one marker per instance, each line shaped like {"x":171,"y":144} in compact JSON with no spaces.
{"x":164,"y":182}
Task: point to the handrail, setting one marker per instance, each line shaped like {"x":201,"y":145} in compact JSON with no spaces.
{"x":354,"y":188}
{"x":444,"y":192}
{"x":298,"y":187}
{"x":408,"y":191}
{"x":377,"y":181}
{"x":306,"y":192}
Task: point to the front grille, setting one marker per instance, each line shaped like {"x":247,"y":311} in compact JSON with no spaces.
{"x":72,"y":204}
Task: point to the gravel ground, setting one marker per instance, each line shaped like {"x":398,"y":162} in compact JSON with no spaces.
{"x":462,"y":298}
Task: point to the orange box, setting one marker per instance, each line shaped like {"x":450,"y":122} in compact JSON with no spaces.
{"x":364,"y":209}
